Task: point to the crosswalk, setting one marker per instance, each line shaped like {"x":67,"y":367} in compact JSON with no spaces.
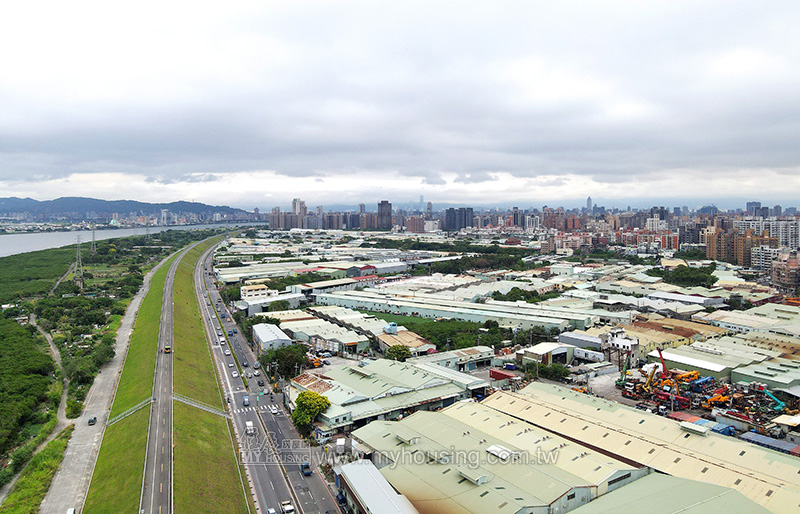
{"x":253,"y":408}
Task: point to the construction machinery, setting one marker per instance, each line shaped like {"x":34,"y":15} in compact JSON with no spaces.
{"x":624,"y":376}
{"x":648,"y":385}
{"x":700,"y":385}
{"x":718,"y":400}
{"x":778,"y":406}
{"x":687,"y":376}
{"x":673,"y":400}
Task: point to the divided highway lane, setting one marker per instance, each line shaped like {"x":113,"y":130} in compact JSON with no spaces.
{"x":268,"y":483}
{"x":312,"y":492}
{"x":157,"y":483}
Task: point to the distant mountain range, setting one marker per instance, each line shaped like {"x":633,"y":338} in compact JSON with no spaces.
{"x":73,"y":204}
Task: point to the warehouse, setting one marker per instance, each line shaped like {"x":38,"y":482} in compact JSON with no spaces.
{"x":365,"y":490}
{"x":767,"y":477}
{"x":465,"y":359}
{"x":465,"y":311}
{"x":270,"y":337}
{"x":778,"y":375}
{"x":379,"y":390}
{"x":259,"y":305}
{"x":475,"y":459}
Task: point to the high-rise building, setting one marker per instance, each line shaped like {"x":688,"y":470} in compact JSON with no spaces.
{"x":299,"y":207}
{"x":429,"y":212}
{"x":589,"y":205}
{"x":415,"y":224}
{"x":753,"y":207}
{"x":362,"y":208}
{"x":786,"y":273}
{"x":384,"y":215}
{"x":456,"y":219}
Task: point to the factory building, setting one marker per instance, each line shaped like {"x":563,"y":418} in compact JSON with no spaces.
{"x":767,"y":477}
{"x":474,"y":459}
{"x":381,"y":390}
{"x":270,"y":337}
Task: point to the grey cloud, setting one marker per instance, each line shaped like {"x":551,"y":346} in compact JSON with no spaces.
{"x":396,"y":93}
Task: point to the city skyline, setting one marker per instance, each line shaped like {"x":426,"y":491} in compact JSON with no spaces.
{"x":254,"y":104}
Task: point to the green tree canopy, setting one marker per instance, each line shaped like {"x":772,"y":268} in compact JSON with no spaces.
{"x":398,"y":352}
{"x":308,"y":406}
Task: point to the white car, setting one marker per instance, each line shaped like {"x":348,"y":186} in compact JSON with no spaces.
{"x":256,"y":373}
{"x":227,"y":352}
{"x":273,"y":409}
{"x":235,"y":374}
{"x":230,"y":364}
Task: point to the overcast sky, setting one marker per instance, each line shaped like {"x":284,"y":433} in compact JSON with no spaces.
{"x":252,"y":103}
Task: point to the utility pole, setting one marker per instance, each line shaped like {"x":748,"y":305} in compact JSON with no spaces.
{"x":93,"y":248}
{"x":78,"y":266}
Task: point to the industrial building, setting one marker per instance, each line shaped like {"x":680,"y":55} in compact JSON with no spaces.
{"x":365,"y":490}
{"x":683,"y":450}
{"x":379,"y":390}
{"x":321,"y":333}
{"x":469,"y":458}
{"x":270,"y":337}
{"x":465,"y":359}
{"x":261,"y":304}
{"x":778,"y":375}
{"x":465,"y":311}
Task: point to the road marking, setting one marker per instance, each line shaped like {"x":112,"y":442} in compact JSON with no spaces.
{"x":162,"y":466}
{"x":161,"y":487}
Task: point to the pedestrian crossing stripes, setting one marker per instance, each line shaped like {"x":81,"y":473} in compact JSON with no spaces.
{"x":260,"y":408}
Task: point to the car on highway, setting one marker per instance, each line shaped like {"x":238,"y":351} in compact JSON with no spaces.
{"x":249,"y":375}
{"x":244,"y":364}
{"x":306,"y":469}
{"x":93,"y":420}
{"x":235,"y":374}
{"x":260,"y":383}
{"x":230,"y":364}
{"x":222,"y":341}
{"x":256,"y":373}
{"x":256,"y":365}
{"x":227,"y":352}
{"x":271,"y":511}
{"x":273,"y":410}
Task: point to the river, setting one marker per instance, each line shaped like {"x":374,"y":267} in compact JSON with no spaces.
{"x":12,"y":244}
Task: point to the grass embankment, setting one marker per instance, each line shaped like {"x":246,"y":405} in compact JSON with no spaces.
{"x":193,"y":371}
{"x":34,"y":481}
{"x":117,"y":479}
{"x":205,"y":470}
{"x":205,"y":465}
{"x":136,"y":382}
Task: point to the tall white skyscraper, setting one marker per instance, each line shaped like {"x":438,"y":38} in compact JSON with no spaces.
{"x":589,"y":204}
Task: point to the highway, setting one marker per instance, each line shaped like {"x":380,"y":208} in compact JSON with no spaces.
{"x":157,"y":482}
{"x":271,"y":479}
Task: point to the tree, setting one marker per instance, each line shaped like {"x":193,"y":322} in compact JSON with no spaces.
{"x":308,"y":406}
{"x":289,"y":358}
{"x":280,"y":305}
{"x":398,"y":352}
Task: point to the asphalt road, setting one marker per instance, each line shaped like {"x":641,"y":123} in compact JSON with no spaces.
{"x":269,"y":452}
{"x":157,"y":484}
{"x":71,"y":483}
